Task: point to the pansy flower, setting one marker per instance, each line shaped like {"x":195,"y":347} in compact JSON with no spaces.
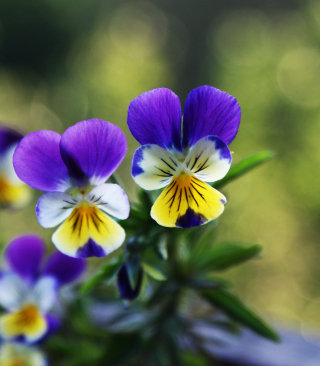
{"x":13,"y":192}
{"x":73,"y":168}
{"x":16,"y":354}
{"x":29,"y":289}
{"x":183,"y":156}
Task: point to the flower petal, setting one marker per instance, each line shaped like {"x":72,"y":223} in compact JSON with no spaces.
{"x":13,"y":291}
{"x":54,"y":207}
{"x":44,"y":293}
{"x":27,"y":322}
{"x":187,"y":202}
{"x":12,"y":195}
{"x":110,"y":198}
{"x":92,"y":150}
{"x":38,"y":163}
{"x":155,"y":118}
{"x":209,"y":159}
{"x":153,"y":167}
{"x":8,"y":137}
{"x":88,"y":232}
{"x":24,"y":255}
{"x":63,"y":268}
{"x":210,"y":111}
{"x":13,"y":192}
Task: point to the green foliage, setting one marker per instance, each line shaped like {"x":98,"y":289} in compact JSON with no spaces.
{"x":106,"y":273}
{"x":223,"y":256}
{"x":238,"y":311}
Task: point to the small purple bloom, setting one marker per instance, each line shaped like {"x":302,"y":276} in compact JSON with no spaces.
{"x":13,"y":192}
{"x":127,"y":291}
{"x":183,"y":156}
{"x":73,"y":168}
{"x":29,"y":289}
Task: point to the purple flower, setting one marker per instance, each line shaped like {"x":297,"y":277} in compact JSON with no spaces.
{"x":183,"y":157}
{"x":13,"y":192}
{"x":72,"y":168}
{"x":28,"y":291}
{"x":127,"y":291}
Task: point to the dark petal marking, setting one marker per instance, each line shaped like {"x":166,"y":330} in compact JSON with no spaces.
{"x":193,"y":197}
{"x":169,"y":188}
{"x":199,"y":185}
{"x":185,"y":191}
{"x":173,"y":162}
{"x":70,"y":203}
{"x":190,"y":219}
{"x":200,"y":194}
{"x":202,"y":167}
{"x":171,"y":167}
{"x":168,"y":174}
{"x":180,"y":197}
{"x":98,"y":199}
{"x":90,"y":249}
{"x":75,"y":223}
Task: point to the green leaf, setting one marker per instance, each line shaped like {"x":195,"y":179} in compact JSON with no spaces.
{"x":238,"y":311}
{"x":161,"y":247}
{"x":243,"y":167}
{"x":153,"y":272}
{"x":106,"y":273}
{"x":223,"y":256}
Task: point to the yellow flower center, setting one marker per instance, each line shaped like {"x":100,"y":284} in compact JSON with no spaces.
{"x":27,"y":316}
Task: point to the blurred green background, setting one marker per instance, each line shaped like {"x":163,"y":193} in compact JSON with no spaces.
{"x":63,"y":61}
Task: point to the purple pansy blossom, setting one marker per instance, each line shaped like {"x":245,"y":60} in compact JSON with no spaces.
{"x":29,"y":289}
{"x":13,"y":192}
{"x":73,"y":168}
{"x":183,"y":157}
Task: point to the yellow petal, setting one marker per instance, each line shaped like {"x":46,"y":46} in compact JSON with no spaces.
{"x":15,"y":196}
{"x":88,"y":232}
{"x":27,"y":322}
{"x":187,"y":202}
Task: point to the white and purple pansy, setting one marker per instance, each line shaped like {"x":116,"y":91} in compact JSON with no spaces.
{"x":29,"y":288}
{"x":73,"y":168}
{"x":183,"y":156}
{"x":13,"y":192}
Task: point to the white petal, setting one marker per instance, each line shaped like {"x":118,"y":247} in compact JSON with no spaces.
{"x":13,"y":291}
{"x":54,"y":207}
{"x":44,"y":293}
{"x":153,"y":167}
{"x":6,"y":166}
{"x":110,"y":198}
{"x":209,"y":159}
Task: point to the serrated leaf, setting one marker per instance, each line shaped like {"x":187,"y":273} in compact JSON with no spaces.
{"x":106,"y":273}
{"x":153,"y":272}
{"x":221,"y":257}
{"x":243,"y":167}
{"x":238,"y":311}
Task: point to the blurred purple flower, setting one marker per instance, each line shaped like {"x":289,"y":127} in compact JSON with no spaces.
{"x":127,"y":291}
{"x":72,"y":168}
{"x":183,"y":157}
{"x":28,"y":291}
{"x":13,"y":192}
